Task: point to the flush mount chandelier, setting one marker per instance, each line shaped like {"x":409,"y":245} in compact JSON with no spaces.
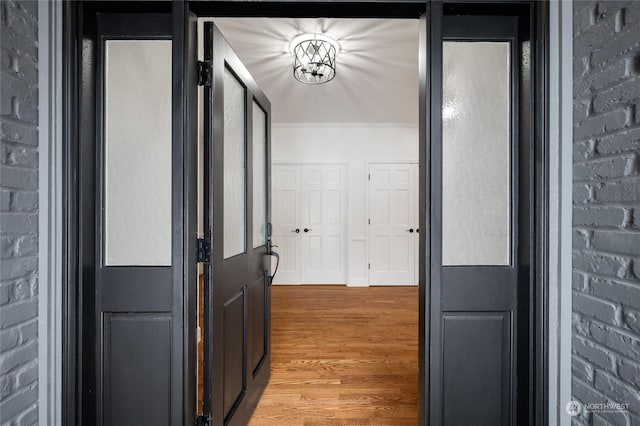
{"x":314,"y":58}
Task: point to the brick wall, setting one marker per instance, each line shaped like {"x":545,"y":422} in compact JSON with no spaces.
{"x":18,"y":212}
{"x":606,"y":209}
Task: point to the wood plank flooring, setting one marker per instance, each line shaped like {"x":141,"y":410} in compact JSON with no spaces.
{"x":342,"y":356}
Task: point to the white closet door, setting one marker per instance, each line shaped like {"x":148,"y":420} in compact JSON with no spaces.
{"x":285,"y":216}
{"x":323,"y":224}
{"x":393,"y":239}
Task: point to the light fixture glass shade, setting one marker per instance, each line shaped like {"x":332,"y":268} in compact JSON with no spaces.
{"x":314,"y":61}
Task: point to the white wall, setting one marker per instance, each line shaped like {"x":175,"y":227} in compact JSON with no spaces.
{"x":355,"y":144}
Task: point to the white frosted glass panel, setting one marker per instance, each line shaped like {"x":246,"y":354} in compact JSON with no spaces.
{"x":234,"y":166}
{"x":137,"y":221}
{"x":476,"y":154}
{"x":259,"y":176}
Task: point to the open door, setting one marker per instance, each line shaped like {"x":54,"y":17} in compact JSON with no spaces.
{"x":237,"y":118}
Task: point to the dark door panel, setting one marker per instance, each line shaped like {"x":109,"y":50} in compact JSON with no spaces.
{"x":471,"y":286}
{"x":481,"y":214}
{"x":237,"y":190}
{"x":137,"y":337}
{"x":478,"y":346}
{"x":137,"y":349}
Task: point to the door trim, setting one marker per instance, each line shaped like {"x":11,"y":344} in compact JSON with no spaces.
{"x":50,"y":218}
{"x":560,"y":167}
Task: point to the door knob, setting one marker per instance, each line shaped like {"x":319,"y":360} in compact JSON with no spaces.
{"x":306,"y":230}
{"x":418,"y":230}
{"x":297,"y":230}
{"x":410,"y":230}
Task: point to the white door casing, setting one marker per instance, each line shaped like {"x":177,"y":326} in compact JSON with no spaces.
{"x":311,"y":197}
{"x":393,"y":236}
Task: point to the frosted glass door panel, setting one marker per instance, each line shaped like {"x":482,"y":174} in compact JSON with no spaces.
{"x":234,"y":166}
{"x":137,"y":146}
{"x":259,"y":176}
{"x":476,"y":115}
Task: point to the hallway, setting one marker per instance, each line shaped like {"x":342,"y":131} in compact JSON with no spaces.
{"x":342,"y":356}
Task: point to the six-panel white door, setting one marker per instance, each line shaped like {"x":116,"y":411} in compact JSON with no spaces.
{"x":393,"y":228}
{"x":323,"y":224}
{"x":309,"y":223}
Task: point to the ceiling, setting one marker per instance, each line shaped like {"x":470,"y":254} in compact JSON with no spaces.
{"x":376,"y":70}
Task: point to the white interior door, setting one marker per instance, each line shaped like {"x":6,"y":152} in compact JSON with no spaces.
{"x":323,"y":224}
{"x":393,"y":240}
{"x":309,"y":223}
{"x":286,"y":233}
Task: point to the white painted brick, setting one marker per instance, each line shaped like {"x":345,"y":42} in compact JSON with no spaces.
{"x":18,"y":217}
{"x":627,"y":191}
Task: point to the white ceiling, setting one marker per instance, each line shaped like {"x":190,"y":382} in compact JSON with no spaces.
{"x":376,"y":70}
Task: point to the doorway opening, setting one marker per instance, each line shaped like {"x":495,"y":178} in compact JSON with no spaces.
{"x":344,"y":212}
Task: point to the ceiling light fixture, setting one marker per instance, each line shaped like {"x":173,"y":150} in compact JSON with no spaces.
{"x":314,"y":58}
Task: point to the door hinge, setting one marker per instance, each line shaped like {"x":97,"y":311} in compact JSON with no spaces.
{"x":369,"y":221}
{"x":369,"y":176}
{"x":205,"y":72}
{"x":202,"y":420}
{"x":203,"y":250}
{"x":368,"y":266}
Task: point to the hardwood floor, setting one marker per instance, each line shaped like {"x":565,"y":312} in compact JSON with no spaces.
{"x":342,"y":356}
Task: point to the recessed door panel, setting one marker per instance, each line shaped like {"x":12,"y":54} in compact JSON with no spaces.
{"x":257,"y":305}
{"x":380,"y":207}
{"x":399,"y":213}
{"x":402,"y":260}
{"x":476,"y":345}
{"x":334,"y":207}
{"x":234,"y":351}
{"x":380,"y":255}
{"x":333,"y":253}
{"x":260,"y":177}
{"x":137,"y":347}
{"x":288,"y":207}
{"x":313,"y":208}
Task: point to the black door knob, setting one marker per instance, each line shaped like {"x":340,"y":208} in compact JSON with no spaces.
{"x":410,"y":230}
{"x":306,"y":229}
{"x":297,"y":230}
{"x":418,"y":230}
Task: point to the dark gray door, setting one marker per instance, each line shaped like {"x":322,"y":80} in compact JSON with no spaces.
{"x":237,"y":283}
{"x":481,"y":216}
{"x":139,"y":192}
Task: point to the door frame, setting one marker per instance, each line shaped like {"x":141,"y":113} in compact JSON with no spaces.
{"x":183,"y":15}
